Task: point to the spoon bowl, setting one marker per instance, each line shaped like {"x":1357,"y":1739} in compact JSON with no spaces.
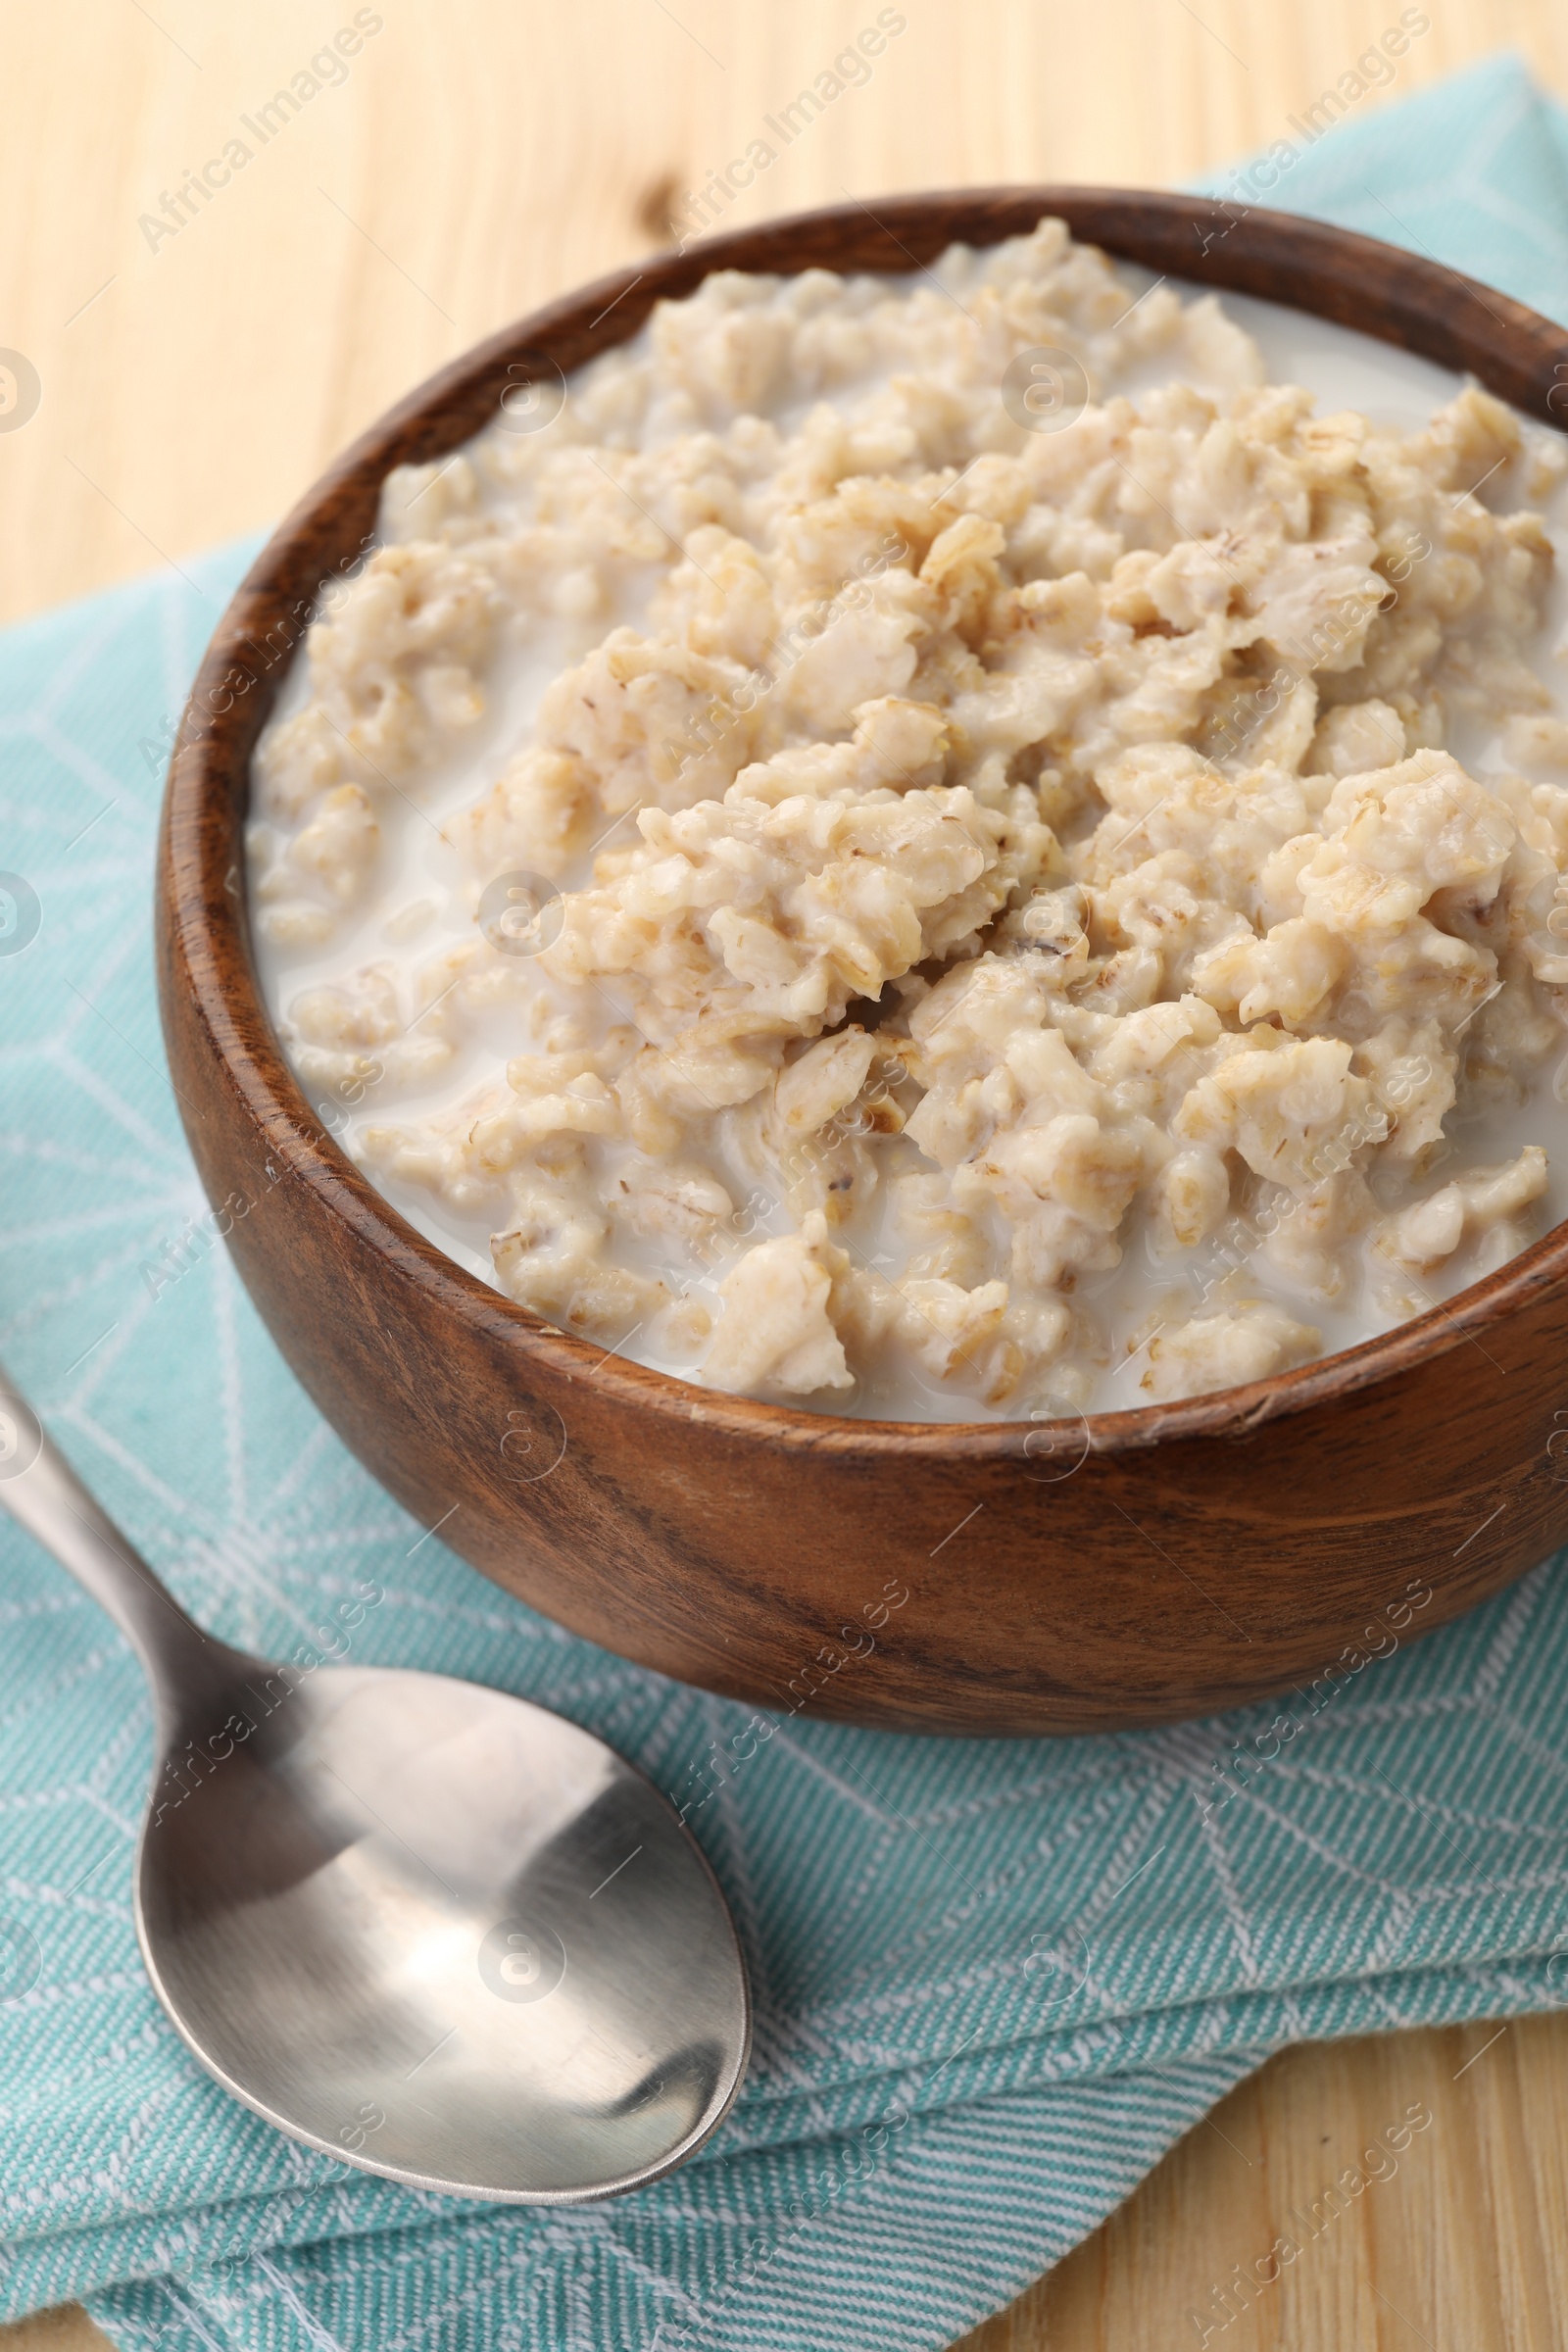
{"x":442,"y":1933}
{"x":435,"y":1931}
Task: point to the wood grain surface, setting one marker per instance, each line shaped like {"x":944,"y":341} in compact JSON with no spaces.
{"x":477,"y":161}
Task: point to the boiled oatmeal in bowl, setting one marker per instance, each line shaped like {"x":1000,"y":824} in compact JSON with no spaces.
{"x":955,"y":847}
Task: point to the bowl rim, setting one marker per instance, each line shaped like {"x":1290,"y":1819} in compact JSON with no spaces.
{"x":205,"y":949}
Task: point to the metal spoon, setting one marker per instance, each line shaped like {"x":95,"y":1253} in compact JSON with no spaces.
{"x":437,"y":1931}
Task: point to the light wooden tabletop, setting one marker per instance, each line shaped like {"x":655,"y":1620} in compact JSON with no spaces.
{"x":473,"y":161}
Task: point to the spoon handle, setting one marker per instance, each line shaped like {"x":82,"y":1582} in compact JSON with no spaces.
{"x":40,"y":1490}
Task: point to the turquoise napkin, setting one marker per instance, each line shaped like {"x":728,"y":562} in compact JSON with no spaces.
{"x":994,"y":1982}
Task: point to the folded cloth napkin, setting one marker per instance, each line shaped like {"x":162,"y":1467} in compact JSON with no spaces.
{"x":994,"y":1982}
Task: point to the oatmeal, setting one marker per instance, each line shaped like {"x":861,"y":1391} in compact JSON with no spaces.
{"x":811,"y":881}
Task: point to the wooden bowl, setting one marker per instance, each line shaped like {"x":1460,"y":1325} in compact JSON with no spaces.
{"x":990,"y":1578}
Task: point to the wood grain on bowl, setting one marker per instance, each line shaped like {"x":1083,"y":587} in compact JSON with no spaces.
{"x":1008,"y":1578}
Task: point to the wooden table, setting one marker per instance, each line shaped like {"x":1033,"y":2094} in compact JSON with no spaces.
{"x":474,"y":160}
